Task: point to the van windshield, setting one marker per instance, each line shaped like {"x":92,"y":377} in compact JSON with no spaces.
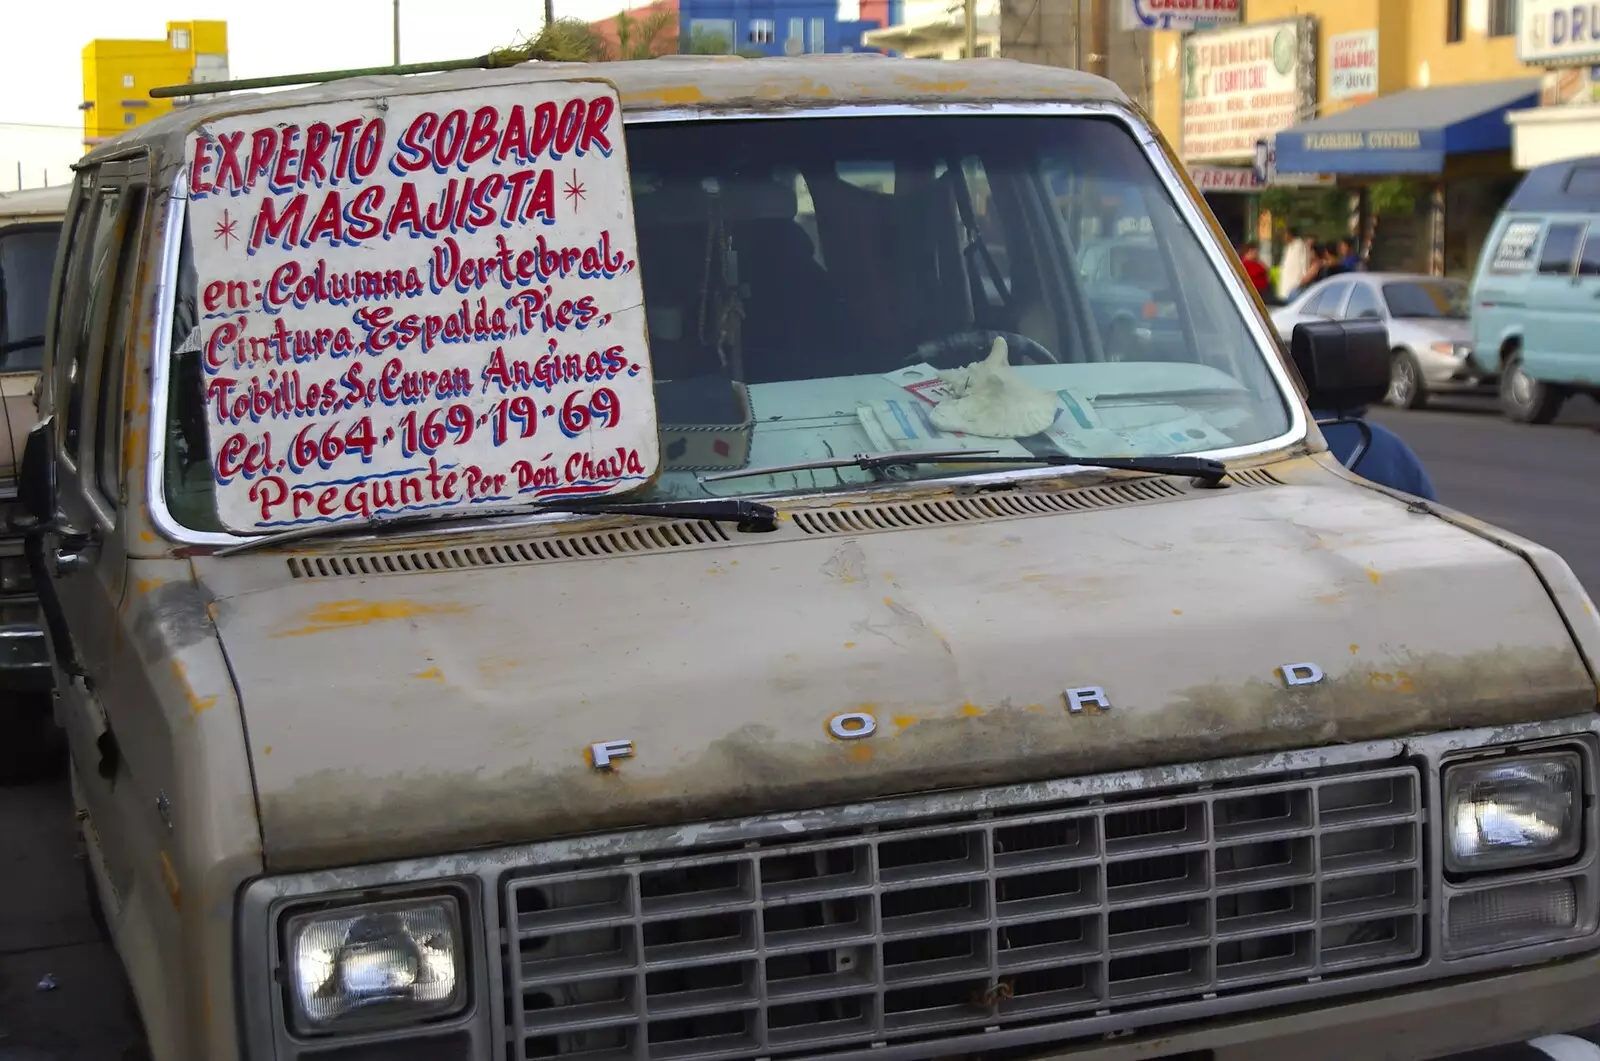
{"x":27,"y":257}
{"x":807,"y":280}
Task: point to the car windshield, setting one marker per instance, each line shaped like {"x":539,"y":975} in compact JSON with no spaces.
{"x":806,"y":280}
{"x":27,"y":257}
{"x":1440,"y":299}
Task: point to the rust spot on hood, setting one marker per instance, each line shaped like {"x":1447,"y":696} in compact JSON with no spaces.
{"x":343,"y":614}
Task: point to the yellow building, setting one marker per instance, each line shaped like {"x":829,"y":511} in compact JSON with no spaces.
{"x":119,"y":74}
{"x":1354,"y":92}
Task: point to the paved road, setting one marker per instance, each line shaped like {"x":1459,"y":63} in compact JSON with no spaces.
{"x":1537,"y":481}
{"x":1540,"y":482}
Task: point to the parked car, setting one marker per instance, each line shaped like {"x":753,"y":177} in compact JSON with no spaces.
{"x":30,"y":229}
{"x":1536,"y":295}
{"x":1429,"y":330}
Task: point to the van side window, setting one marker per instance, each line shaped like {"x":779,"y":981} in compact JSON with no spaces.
{"x":1514,"y":252}
{"x":99,"y":281}
{"x":1560,"y":248}
{"x":79,"y":227}
{"x":108,"y":402}
{"x":1589,"y":263}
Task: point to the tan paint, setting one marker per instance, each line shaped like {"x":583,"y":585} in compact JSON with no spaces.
{"x":964,"y":642}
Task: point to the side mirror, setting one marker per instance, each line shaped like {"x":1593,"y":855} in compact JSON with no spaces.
{"x":36,"y":487}
{"x":1345,"y":363}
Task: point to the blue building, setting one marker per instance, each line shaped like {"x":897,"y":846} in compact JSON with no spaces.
{"x":767,"y":26}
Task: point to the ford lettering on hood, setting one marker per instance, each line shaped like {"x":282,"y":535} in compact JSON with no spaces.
{"x":541,"y":687}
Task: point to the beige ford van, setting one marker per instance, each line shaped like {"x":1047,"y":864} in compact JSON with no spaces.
{"x":662,"y":562}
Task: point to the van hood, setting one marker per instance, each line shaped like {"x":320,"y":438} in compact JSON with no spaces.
{"x":413,"y":713}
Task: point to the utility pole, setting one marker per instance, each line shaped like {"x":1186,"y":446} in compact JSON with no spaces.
{"x":549,"y":12}
{"x":1099,"y":39}
{"x":397,"y":32}
{"x":971,"y":7}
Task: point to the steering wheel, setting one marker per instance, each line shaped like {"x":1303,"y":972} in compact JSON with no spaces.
{"x":963,"y":348}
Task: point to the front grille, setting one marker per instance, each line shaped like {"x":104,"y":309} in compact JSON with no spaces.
{"x":1042,"y":913}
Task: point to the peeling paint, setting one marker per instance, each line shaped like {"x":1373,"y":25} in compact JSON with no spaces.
{"x":902,"y":721}
{"x":197,"y":704}
{"x":146,"y":585}
{"x":432,"y":674}
{"x":345,"y":614}
{"x":971,"y":710}
{"x":353,"y":813}
{"x":1373,"y":576}
{"x":169,"y":877}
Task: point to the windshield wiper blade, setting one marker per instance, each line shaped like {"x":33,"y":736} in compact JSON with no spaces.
{"x":1204,"y":468}
{"x":749,"y":515}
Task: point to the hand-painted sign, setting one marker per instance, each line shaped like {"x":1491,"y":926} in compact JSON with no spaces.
{"x":1242,"y":85}
{"x":1184,"y":15}
{"x":425,"y":301}
{"x":1353,"y":65}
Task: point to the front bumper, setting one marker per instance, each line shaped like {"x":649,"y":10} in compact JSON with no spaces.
{"x":1437,"y":1021}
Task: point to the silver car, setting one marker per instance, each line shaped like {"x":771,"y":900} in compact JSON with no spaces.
{"x":1429,"y":329}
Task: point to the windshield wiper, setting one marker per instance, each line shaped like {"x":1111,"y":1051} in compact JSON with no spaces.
{"x":749,"y":515}
{"x":1211,"y":471}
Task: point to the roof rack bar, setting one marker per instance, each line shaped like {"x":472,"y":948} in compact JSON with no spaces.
{"x":482,"y":62}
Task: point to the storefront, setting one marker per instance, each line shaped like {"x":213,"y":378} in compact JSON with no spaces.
{"x":1566,"y":124}
{"x":1241,"y":85}
{"x":1433,"y":165}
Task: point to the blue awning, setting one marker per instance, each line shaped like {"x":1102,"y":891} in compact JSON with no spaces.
{"x":1407,"y":132}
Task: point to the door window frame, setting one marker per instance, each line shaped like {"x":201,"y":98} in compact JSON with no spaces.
{"x":77,"y":473}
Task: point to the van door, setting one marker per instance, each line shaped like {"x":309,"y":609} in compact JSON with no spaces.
{"x":1572,"y":356}
{"x":1558,"y":319}
{"x":88,"y":561}
{"x":1499,"y":294}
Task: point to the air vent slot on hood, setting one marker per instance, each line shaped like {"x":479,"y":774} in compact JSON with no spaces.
{"x":641,"y":539}
{"x":1004,"y":505}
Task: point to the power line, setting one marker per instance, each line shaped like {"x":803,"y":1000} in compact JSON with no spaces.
{"x":37,"y":125}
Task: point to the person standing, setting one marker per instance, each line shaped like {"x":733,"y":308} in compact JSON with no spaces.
{"x":1348,"y":256}
{"x":1296,"y":261}
{"x":1255,"y":268}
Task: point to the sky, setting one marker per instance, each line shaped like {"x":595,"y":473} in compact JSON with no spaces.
{"x":41,"y":80}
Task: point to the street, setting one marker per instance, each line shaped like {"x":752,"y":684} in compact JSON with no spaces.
{"x":60,"y":993}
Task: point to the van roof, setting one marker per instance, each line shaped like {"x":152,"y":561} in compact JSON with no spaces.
{"x":34,"y":203}
{"x":686,"y":82}
{"x":1570,"y":186}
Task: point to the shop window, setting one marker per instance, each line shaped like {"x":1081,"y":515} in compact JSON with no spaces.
{"x":1560,"y":248}
{"x":797,"y":32}
{"x":709,"y":33}
{"x":1454,"y":17}
{"x":763,"y":31}
{"x":1502,"y":18}
{"x":819,"y":35}
{"x":180,"y":40}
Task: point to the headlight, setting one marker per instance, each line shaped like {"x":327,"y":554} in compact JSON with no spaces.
{"x":379,"y":965}
{"x":1512,"y":812}
{"x":1451,"y":349}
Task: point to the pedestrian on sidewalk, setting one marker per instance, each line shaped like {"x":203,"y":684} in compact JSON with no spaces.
{"x":1296,"y":260}
{"x":1255,"y":268}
